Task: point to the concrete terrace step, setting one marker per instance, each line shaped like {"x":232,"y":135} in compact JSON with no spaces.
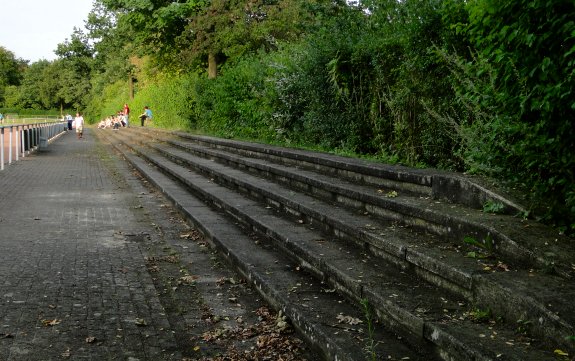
{"x":427,"y":257}
{"x":424,"y":323}
{"x":314,"y":308}
{"x":514,"y":239}
{"x":439,"y":185}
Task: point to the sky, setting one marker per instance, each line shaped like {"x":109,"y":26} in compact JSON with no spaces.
{"x":32,"y":29}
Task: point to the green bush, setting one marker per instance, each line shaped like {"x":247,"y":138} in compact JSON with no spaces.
{"x":526,"y":99}
{"x":107,"y":102}
{"x":235,"y":104}
{"x":370,"y":85}
{"x":169,"y":98}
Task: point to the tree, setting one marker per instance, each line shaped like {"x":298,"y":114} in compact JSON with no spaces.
{"x":153,"y":26}
{"x":11,"y":70}
{"x":75,"y":69}
{"x":229,"y":29}
{"x":30,"y":94}
{"x":112,"y":52}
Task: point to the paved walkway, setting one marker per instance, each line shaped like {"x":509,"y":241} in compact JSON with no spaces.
{"x":73,"y":280}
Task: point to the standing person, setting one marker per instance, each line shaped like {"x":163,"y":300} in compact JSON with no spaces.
{"x":127,"y":114}
{"x":69,"y":119}
{"x":1,"y":118}
{"x":79,"y":124}
{"x":146,"y":115}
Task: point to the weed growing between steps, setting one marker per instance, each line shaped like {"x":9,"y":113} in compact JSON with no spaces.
{"x":493,"y":207}
{"x":486,"y":247}
{"x":370,"y":343}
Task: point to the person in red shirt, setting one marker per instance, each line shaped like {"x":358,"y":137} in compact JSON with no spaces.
{"x":126,"y":114}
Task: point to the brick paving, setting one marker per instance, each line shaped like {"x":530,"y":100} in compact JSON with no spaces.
{"x":73,"y":276}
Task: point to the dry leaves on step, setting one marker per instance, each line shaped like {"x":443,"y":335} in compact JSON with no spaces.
{"x":49,"y":323}
{"x":348,"y":320}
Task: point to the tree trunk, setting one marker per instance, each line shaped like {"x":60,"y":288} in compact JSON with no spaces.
{"x":131,"y":86}
{"x":212,"y":66}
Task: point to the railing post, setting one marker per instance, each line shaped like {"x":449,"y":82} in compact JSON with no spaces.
{"x":30,"y":139}
{"x":43,"y":136}
{"x":1,"y":148}
{"x":24,"y":135}
{"x":17,"y":146}
{"x":10,"y":145}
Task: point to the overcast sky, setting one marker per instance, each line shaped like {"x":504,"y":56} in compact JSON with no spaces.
{"x":32,"y":29}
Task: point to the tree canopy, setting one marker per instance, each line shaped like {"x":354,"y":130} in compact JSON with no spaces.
{"x":11,"y":70}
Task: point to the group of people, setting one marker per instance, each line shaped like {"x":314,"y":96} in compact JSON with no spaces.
{"x":122,"y":118}
{"x":115,"y":121}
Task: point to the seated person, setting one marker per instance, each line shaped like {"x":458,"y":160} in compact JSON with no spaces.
{"x":117,"y":123}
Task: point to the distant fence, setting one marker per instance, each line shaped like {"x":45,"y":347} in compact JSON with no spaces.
{"x":14,"y":118}
{"x":18,"y":140}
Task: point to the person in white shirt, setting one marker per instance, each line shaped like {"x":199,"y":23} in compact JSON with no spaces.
{"x":79,"y":125}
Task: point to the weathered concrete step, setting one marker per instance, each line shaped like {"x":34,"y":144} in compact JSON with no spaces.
{"x":414,"y":250}
{"x":464,"y":190}
{"x":403,"y":246}
{"x":332,"y":326}
{"x":451,"y":222}
{"x":399,"y":312}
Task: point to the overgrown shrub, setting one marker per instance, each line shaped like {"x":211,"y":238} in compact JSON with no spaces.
{"x":364,"y":84}
{"x":235,"y":104}
{"x":522,"y":82}
{"x":108,"y":102}
{"x":170,"y":98}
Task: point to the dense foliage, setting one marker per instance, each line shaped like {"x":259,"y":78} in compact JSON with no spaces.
{"x":480,"y":86}
{"x":528,"y":50}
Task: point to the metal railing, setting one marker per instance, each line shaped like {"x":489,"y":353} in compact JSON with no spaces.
{"x":19,"y":140}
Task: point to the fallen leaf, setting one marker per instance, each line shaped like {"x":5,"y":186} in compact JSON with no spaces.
{"x":53,"y":322}
{"x":140,"y":322}
{"x":348,"y":319}
{"x":189,"y":279}
{"x":66,"y":353}
{"x":90,"y":339}
{"x":559,"y":352}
